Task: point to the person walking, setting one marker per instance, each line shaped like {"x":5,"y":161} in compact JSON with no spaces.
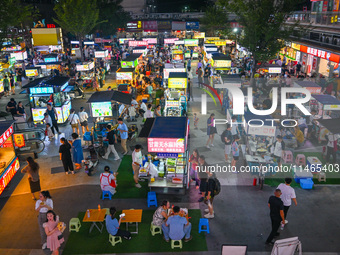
{"x":278,"y":148}
{"x":83,"y":117}
{"x":211,"y":130}
{"x":288,"y":194}
{"x":65,"y":155}
{"x":73,"y":118}
{"x":236,"y":151}
{"x":137,"y":161}
{"x":42,"y":206}
{"x":112,"y":138}
{"x":227,"y":139}
{"x":12,"y":83}
{"x":200,"y":77}
{"x":6,"y":84}
{"x":124,"y":133}
{"x":332,"y":147}
{"x":12,"y":107}
{"x":51,"y":111}
{"x":32,"y":169}
{"x":190,"y":95}
{"x":77,"y":151}
{"x":277,"y":216}
{"x":211,"y":192}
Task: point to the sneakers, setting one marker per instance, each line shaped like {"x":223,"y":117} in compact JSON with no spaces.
{"x":124,"y":153}
{"x":138,"y":185}
{"x":141,"y":180}
{"x":209,"y":216}
{"x":201,"y":199}
{"x":44,"y":246}
{"x":207,"y":210}
{"x":286,"y":222}
{"x":127,"y":238}
{"x":187,"y":240}
{"x":207,"y":146}
{"x":104,"y":157}
{"x":116,"y":159}
{"x":212,"y":145}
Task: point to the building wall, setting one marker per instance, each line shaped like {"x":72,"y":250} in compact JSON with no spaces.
{"x":134,"y":6}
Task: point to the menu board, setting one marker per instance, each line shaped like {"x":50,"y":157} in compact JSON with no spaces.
{"x":1,"y":86}
{"x":101,"y":109}
{"x":38,"y":114}
{"x":177,"y":83}
{"x":31,"y":72}
{"x":123,"y":76}
{"x":19,"y":140}
{"x":66,"y":110}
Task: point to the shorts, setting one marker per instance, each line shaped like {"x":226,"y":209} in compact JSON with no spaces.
{"x":278,"y":159}
{"x":74,"y":125}
{"x":236,"y":157}
{"x":203,"y":185}
{"x":227,"y":149}
{"x":84,"y":123}
{"x":6,"y":89}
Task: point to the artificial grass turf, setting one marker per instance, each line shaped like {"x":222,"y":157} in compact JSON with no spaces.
{"x":332,"y":177}
{"x":126,"y":185}
{"x":83,"y":242}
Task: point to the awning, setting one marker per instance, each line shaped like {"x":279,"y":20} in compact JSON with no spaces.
{"x":169,"y":127}
{"x":306,"y":84}
{"x":327,"y":100}
{"x":144,"y":133}
{"x":132,"y":57}
{"x":101,"y":96}
{"x":178,"y":75}
{"x":4,"y":125}
{"x":122,"y":97}
{"x":125,"y":70}
{"x":331,"y":124}
{"x":35,"y":82}
{"x":57,"y":81}
{"x":68,"y":88}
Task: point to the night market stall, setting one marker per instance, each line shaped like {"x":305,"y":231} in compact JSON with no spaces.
{"x":177,"y":91}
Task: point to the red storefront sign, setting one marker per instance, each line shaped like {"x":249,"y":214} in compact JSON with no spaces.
{"x":320,"y":53}
{"x":8,"y":175}
{"x":150,"y":26}
{"x":137,"y":43}
{"x":6,"y":135}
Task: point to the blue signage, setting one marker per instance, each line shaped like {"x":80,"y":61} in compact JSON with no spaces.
{"x":192,"y":25}
{"x":167,"y":155}
{"x":43,"y":90}
{"x":50,"y":60}
{"x":64,"y":86}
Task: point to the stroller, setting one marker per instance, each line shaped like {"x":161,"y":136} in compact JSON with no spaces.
{"x":91,"y":161}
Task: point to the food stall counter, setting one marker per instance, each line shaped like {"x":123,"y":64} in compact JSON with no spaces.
{"x":125,"y":75}
{"x":312,"y":87}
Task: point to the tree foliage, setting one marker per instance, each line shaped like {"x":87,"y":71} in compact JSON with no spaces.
{"x":116,"y":17}
{"x":14,"y":14}
{"x":263,"y":25}
{"x":78,"y":17}
{"x":215,"y":21}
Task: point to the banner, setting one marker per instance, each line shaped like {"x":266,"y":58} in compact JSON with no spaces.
{"x":19,"y":140}
{"x":150,"y":26}
{"x":164,"y":25}
{"x":192,"y":25}
{"x":170,"y":40}
{"x":134,"y":26}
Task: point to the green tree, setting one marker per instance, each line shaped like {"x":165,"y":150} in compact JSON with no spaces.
{"x":263,"y":26}
{"x":78,"y":17}
{"x":116,"y":17}
{"x":215,"y":21}
{"x":14,"y":14}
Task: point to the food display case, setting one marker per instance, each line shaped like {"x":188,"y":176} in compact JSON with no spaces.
{"x":125,"y":75}
{"x":9,"y":163}
{"x":177,"y":56}
{"x":51,"y":90}
{"x":167,"y":146}
{"x":131,"y":61}
{"x":179,"y":82}
{"x":221,"y":61}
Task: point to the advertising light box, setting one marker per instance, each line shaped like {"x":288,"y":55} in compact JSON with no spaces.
{"x":150,"y":40}
{"x":123,"y":76}
{"x":31,"y":72}
{"x":191,"y":42}
{"x":85,"y":67}
{"x":177,"y":83}
{"x":123,"y":40}
{"x":38,"y":114}
{"x":49,"y":60}
{"x":222,"y":63}
{"x":274,"y":70}
{"x":137,"y":43}
{"x":101,"y":54}
{"x":102,"y":109}
{"x":43,"y":90}
{"x":166,"y":145}
{"x":170,"y":40}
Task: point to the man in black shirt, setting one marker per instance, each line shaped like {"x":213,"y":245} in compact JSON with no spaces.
{"x":277,"y":217}
{"x":203,"y":176}
{"x":111,"y":137}
{"x":227,"y":138}
{"x":12,"y":106}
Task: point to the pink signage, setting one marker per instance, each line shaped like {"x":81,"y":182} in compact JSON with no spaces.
{"x":314,"y":90}
{"x":137,"y":43}
{"x":150,"y":40}
{"x":166,"y":145}
{"x":170,"y":40}
{"x":6,"y":135}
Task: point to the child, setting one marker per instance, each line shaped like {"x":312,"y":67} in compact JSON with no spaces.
{"x":132,"y":112}
{"x":195,"y":120}
{"x":236,"y":151}
{"x":48,"y":131}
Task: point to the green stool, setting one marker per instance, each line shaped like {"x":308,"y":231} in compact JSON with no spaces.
{"x":174,"y":245}
{"x":115,"y":239}
{"x":107,"y":211}
{"x":74,"y":224}
{"x":155,"y":230}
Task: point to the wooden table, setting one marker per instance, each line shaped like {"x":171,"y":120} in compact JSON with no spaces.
{"x":132,"y":216}
{"x":96,"y":216}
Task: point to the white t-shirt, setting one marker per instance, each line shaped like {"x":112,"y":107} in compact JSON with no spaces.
{"x":143,"y":107}
{"x":137,"y":157}
{"x":287,"y":194}
{"x":83,"y":116}
{"x":278,"y":149}
{"x":121,"y":108}
{"x":73,"y":118}
{"x":48,"y":202}
{"x":148,"y":114}
{"x":331,"y":139}
{"x":132,"y":111}
{"x":105,"y":178}
{"x":234,"y":128}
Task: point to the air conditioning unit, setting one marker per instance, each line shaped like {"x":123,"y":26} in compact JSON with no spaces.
{"x":328,"y":39}
{"x":167,"y":16}
{"x":146,"y":16}
{"x":323,"y":39}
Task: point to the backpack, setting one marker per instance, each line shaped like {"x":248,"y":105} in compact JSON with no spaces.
{"x":223,"y":136}
{"x":217,"y":188}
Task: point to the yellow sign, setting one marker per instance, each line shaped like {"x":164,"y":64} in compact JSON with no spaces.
{"x":220,"y":42}
{"x":177,"y":52}
{"x":19,"y":140}
{"x":212,"y":38}
{"x":177,"y":83}
{"x":222,"y":63}
{"x":198,"y":35}
{"x":139,"y":24}
{"x":296,"y":46}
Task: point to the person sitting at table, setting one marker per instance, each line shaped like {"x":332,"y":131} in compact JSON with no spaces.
{"x":108,"y":181}
{"x":112,"y":225}
{"x":160,"y":216}
{"x":177,"y":227}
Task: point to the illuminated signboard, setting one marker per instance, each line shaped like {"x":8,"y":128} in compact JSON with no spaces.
{"x":262,"y":131}
{"x":123,"y":40}
{"x":19,"y":55}
{"x":179,"y":42}
{"x":274,"y":70}
{"x":137,"y":43}
{"x":8,"y":175}
{"x":89,"y":43}
{"x":7,"y":134}
{"x":191,"y":42}
{"x":150,"y":40}
{"x":320,"y":53}
{"x":49,"y":60}
{"x":101,"y":54}
{"x":44,"y":90}
{"x":331,"y":107}
{"x":101,"y":109}
{"x":38,"y":114}
{"x":177,"y":83}
{"x":166,"y":145}
{"x":19,"y":140}
{"x":198,"y":35}
{"x":173,"y":103}
{"x":222,"y":63}
{"x":129,"y":64}
{"x":31,"y":72}
{"x":170,"y":40}
{"x":85,"y":67}
{"x":123,"y":76}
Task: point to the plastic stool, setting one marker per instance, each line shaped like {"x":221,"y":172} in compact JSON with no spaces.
{"x":155,"y":229}
{"x":203,"y":222}
{"x":74,"y":224}
{"x":115,"y":239}
{"x":106,"y":194}
{"x":174,"y":245}
{"x":300,"y":160}
{"x":152,"y":199}
{"x":107,"y":211}
{"x":287,"y":156}
{"x":322,"y":177}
